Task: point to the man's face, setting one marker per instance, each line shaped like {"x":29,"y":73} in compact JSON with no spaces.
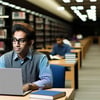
{"x":59,"y":41}
{"x":20,"y":43}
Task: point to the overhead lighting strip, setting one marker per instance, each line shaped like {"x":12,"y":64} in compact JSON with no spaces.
{"x":91,"y":13}
{"x":79,"y":0}
{"x":66,"y":1}
{"x":93,"y":0}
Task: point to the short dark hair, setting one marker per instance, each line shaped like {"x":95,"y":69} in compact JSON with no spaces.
{"x":25,"y":28}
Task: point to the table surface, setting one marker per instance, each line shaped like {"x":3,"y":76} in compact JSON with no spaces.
{"x":69,"y":92}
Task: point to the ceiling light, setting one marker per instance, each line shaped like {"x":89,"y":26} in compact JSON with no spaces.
{"x":23,"y":9}
{"x":32,"y":12}
{"x":12,"y":5}
{"x":93,"y":0}
{"x":93,"y":7}
{"x":66,"y":1}
{"x":28,"y":11}
{"x":83,"y":17}
{"x":5,"y":3}
{"x":80,"y":7}
{"x":17,"y":7}
{"x":91,"y":14}
{"x":79,"y":0}
{"x":73,"y":7}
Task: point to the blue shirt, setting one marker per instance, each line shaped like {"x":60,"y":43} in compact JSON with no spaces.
{"x":60,"y":49}
{"x":45,"y":74}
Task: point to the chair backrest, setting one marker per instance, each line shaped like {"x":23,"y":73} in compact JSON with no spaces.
{"x":58,"y":76}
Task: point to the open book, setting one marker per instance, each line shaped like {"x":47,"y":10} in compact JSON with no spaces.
{"x":47,"y":94}
{"x":54,"y":57}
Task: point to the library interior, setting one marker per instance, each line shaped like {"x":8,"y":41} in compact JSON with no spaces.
{"x":73,"y":22}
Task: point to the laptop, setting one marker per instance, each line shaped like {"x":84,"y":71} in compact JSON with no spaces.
{"x":11,"y":82}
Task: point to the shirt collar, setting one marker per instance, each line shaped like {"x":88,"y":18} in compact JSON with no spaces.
{"x":29,"y":55}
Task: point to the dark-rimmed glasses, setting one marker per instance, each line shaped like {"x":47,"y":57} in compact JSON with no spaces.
{"x":19,"y":41}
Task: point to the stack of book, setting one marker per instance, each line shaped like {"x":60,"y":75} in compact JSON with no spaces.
{"x":70,"y":57}
{"x":77,"y":44}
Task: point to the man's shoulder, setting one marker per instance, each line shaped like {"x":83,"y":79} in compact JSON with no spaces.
{"x":8,"y":53}
{"x":66,"y":45}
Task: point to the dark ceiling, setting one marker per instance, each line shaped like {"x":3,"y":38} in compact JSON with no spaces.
{"x":86,"y":5}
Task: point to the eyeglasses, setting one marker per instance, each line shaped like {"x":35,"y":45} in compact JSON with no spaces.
{"x":20,"y":41}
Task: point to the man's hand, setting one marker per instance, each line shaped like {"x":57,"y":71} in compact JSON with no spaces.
{"x":26,"y":87}
{"x":29,"y":86}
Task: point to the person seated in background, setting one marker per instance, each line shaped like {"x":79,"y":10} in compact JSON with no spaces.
{"x":60,"y":49}
{"x":36,"y":72}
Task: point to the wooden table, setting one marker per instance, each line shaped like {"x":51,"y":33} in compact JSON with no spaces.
{"x":70,"y":75}
{"x":44,"y":50}
{"x":82,"y":51}
{"x":69,"y":95}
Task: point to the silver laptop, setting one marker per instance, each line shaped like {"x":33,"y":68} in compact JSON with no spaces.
{"x":11,"y":82}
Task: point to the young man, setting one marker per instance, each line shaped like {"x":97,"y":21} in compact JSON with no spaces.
{"x":60,"y":49}
{"x":36,"y":71}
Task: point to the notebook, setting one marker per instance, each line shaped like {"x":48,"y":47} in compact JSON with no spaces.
{"x":11,"y":82}
{"x":47,"y":94}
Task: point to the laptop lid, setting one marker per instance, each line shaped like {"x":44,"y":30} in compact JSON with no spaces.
{"x":11,"y":81}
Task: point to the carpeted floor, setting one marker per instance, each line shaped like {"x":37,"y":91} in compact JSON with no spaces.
{"x":89,"y":75}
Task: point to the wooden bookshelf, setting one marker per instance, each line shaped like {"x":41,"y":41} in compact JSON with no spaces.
{"x":45,"y":28}
{"x":39,"y":32}
{"x":4,"y":29}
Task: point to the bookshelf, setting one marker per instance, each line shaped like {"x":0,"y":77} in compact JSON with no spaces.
{"x":39,"y":32}
{"x":45,"y":28}
{"x":32,"y":20}
{"x":18,"y":16}
{"x":4,"y":29}
{"x":48,"y":38}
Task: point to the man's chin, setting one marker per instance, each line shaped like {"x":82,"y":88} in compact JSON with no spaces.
{"x":18,"y":52}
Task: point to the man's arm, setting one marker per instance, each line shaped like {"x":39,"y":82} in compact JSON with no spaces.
{"x":45,"y":76}
{"x":53,"y":50}
{"x":2,"y":62}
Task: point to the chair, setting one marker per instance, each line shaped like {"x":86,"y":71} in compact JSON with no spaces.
{"x":58,"y":72}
